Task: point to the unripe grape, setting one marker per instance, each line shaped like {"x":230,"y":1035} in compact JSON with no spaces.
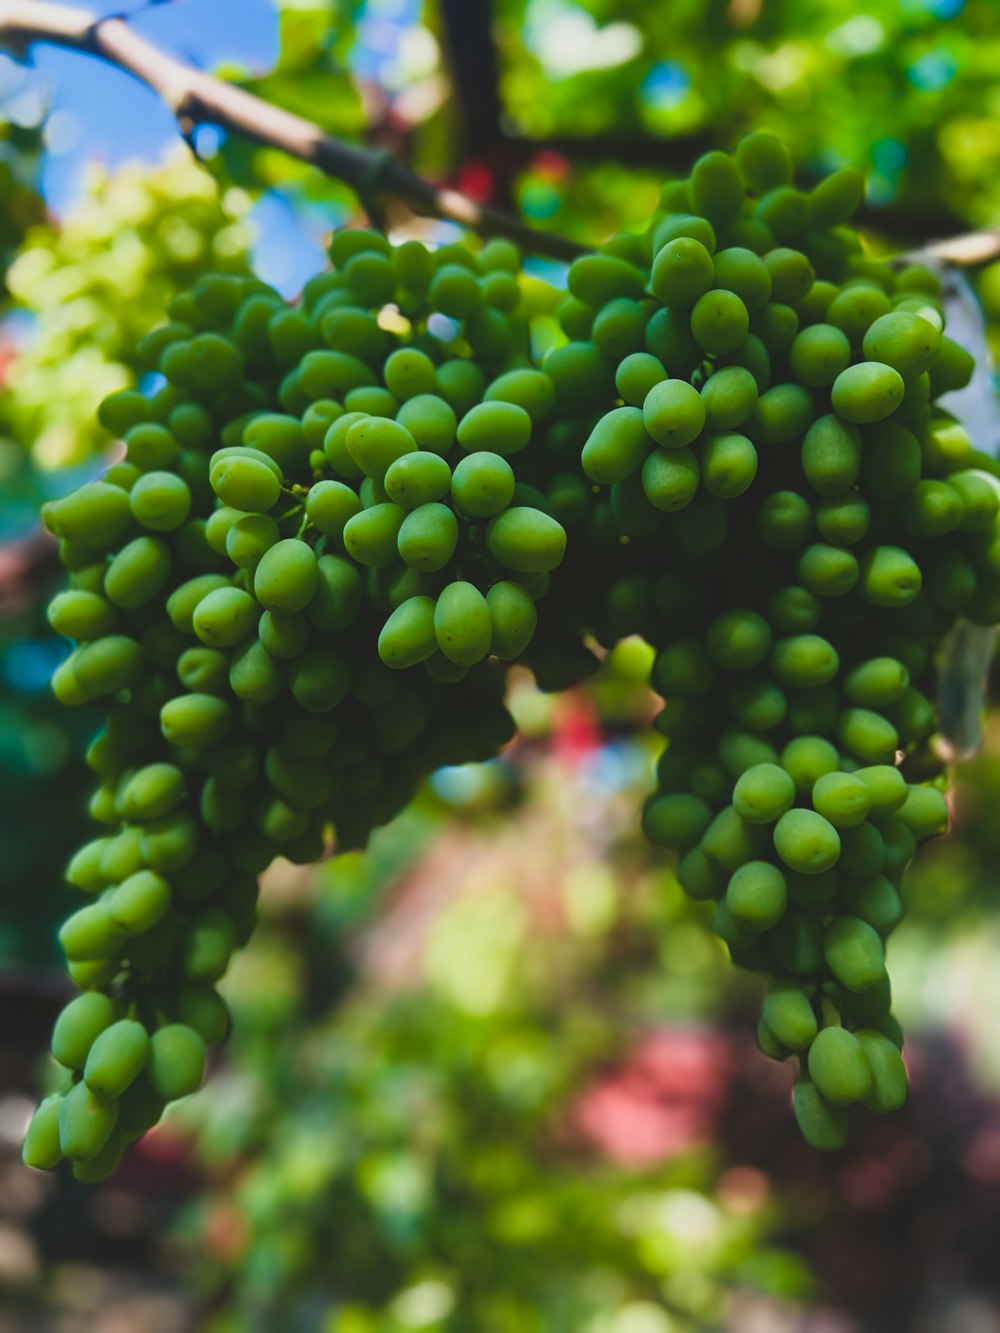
{"x":160,"y":501}
{"x":730,"y":396}
{"x":827,"y":571}
{"x":904,"y":341}
{"x":783,"y":413}
{"x":463,"y":626}
{"x":804,"y":661}
{"x":371,"y":536}
{"x":682,"y":272}
{"x":831,"y":455}
{"x":763,"y":794}
{"x":789,"y":1014}
{"x":854,"y":953}
{"x":806,"y":841}
{"x":79,"y":1025}
{"x":526,"y":540}
{"x":731,"y":841}
{"x":924,"y":812}
{"x":139,"y":902}
{"x":888,"y":1073}
{"x":86,"y":1120}
{"x":868,"y":735}
{"x":674,"y":413}
{"x":636,"y":375}
{"x":874,"y":899}
{"x":408,"y":635}
{"x":137,"y":572}
{"x":617,"y":446}
{"x":841,"y":798}
{"x":818,"y":354}
{"x":41,"y":1142}
{"x":823,"y":1125}
{"x":739,"y":639}
{"x":427,"y":537}
{"x":117,"y":1057}
{"x":676,"y":820}
{"x":740,"y":270}
{"x":719,"y":322}
{"x":670,"y":478}
{"x":866,"y":392}
{"x":839,"y":1067}
{"x":176,"y":1061}
{"x":514,"y":619}
{"x":729,"y":465}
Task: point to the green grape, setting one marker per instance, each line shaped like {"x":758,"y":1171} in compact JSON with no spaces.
{"x":776,"y":326}
{"x":287,"y":576}
{"x":117,"y":1057}
{"x":831,"y":455}
{"x":904,"y":341}
{"x":730,"y":396}
{"x":675,"y":820}
{"x":137,"y":573}
{"x":152,"y":791}
{"x":86,"y":1120}
{"x":804,"y":661}
{"x":670,"y":478}
{"x":245,"y":483}
{"x":482,"y":484}
{"x":673,"y":413}
{"x":79,"y":1025}
{"x":854,"y":954}
{"x":617,"y":446}
{"x":843,"y":520}
{"x":783,"y":413}
{"x":867,"y":392}
{"x":841,"y":798}
{"x":463,"y":625}
{"x":728,"y":465}
{"x":888,"y":1073}
{"x":889,"y":577}
{"x":526,"y":541}
{"x":868,"y":735}
{"x":819,"y":354}
{"x":283,"y":637}
{"x":874,"y":899}
{"x":719,"y":322}
{"x":375,"y":443}
{"x":806,"y":842}
{"x":886,"y":787}
{"x":839,"y":1067}
{"x":757,"y":895}
{"x":198,"y":720}
{"x":682,"y":272}
{"x":249,"y":538}
{"x":717,"y":189}
{"x":176,"y":1061}
{"x":371,"y":536}
{"x":139,"y":902}
{"x":338,"y":594}
{"x":784,"y":521}
{"x":329,"y":505}
{"x":764,"y":161}
{"x":225,"y":617}
{"x":167,"y":844}
{"x":827,"y":571}
{"x":789,"y":1014}
{"x":620,"y":329}
{"x":862,"y":850}
{"x":740,"y":270}
{"x":514,"y":619}
{"x":41,"y":1142}
{"x":731,"y":840}
{"x":319,"y":680}
{"x":160,"y":501}
{"x":81,"y":615}
{"x":924,"y":812}
{"x":408,"y":637}
{"x":763,"y":794}
{"x":758,"y":704}
{"x":461,"y":384}
{"x":823,"y":1125}
{"x":738,"y":640}
{"x":428,"y":537}
{"x":636,"y":375}
{"x":417,"y":479}
{"x":499,"y":427}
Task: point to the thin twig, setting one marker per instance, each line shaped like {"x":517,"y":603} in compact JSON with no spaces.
{"x":200,"y":99}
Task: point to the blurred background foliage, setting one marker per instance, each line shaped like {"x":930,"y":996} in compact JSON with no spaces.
{"x":495,"y":1075}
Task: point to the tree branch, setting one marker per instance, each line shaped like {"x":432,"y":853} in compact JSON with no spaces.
{"x":199,"y":99}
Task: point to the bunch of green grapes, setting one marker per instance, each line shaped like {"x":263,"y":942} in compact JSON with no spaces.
{"x":335,"y":521}
{"x":95,"y":284}
{"x":316,"y":530}
{"x":813,"y":523}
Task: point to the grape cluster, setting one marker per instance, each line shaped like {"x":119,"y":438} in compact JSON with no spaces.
{"x":813,"y":523}
{"x":309,"y":506}
{"x":331,"y":513}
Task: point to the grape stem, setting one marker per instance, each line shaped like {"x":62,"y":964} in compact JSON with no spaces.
{"x":197,"y":98}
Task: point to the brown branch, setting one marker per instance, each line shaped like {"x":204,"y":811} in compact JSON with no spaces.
{"x":200,"y":99}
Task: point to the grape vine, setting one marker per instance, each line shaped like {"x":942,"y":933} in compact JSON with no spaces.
{"x":336,"y":521}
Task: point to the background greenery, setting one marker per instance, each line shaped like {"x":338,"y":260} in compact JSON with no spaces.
{"x":496,"y":1075}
